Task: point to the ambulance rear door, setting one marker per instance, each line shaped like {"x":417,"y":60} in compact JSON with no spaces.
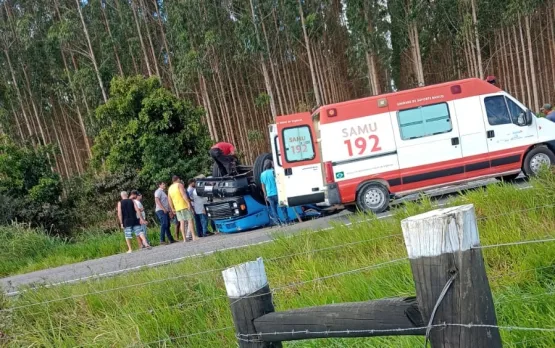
{"x":300,"y":159}
{"x":278,"y":167}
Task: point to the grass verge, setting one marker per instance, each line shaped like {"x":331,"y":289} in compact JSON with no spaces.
{"x":27,"y":250}
{"x":166,"y":312}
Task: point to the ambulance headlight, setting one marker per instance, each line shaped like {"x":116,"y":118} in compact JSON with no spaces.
{"x":236,"y":211}
{"x":234,"y":204}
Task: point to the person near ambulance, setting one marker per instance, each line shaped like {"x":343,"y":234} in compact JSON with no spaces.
{"x":269,"y":187}
{"x":223,"y":155}
{"x":549,"y":113}
{"x":182,"y":208}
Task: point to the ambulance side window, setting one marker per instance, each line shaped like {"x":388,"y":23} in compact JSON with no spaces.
{"x":278,"y":151}
{"x":497,"y":110}
{"x":298,"y":144}
{"x":424,"y":121}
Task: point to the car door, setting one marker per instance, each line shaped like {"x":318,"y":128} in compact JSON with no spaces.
{"x":278,"y":167}
{"x":428,"y":145}
{"x":300,"y":158}
{"x":507,"y":140}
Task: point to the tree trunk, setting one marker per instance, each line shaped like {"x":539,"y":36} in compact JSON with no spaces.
{"x":78,"y":109}
{"x":315,"y":87}
{"x":535,"y":99}
{"x":91,"y":51}
{"x":72,"y":144}
{"x":168,"y":52}
{"x":18,"y":93}
{"x":519,"y":64}
{"x":477,"y":38}
{"x":109,"y":30}
{"x":143,"y":47}
{"x":149,"y":38}
{"x":416,"y":56}
{"x":525,"y":66}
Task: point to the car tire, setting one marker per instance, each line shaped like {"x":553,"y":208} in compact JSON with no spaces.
{"x":538,"y":156}
{"x":258,"y":167}
{"x":373,"y":197}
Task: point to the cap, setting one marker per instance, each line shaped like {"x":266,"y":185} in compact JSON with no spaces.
{"x":547,"y":106}
{"x":490,"y":78}
{"x":135,"y":192}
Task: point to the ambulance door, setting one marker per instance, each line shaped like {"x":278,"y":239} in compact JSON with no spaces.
{"x":506,"y":133}
{"x":300,"y":158}
{"x":428,"y":145}
{"x":278,"y":167}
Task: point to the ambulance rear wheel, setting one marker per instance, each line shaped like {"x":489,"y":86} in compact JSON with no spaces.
{"x":373,"y":197}
{"x":537,"y":158}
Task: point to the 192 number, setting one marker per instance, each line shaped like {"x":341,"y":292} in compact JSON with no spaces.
{"x":299,"y":148}
{"x":361,"y":144}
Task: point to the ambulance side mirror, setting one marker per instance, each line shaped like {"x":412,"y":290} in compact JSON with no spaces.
{"x":524,"y":119}
{"x":529,"y":117}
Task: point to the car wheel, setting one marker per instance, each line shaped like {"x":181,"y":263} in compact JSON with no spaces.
{"x":373,"y":197}
{"x":537,"y":158}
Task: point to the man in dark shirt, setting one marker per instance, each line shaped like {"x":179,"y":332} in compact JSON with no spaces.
{"x":549,"y":112}
{"x":223,"y":155}
{"x":131,"y":219}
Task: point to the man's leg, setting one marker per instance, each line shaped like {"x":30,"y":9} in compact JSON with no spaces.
{"x":216,"y":155}
{"x":167,"y":230}
{"x":198,"y":226}
{"x":161,"y":219}
{"x":141,"y":235}
{"x":285,"y":214}
{"x":191,"y":225}
{"x":274,"y":218}
{"x":203,"y":224}
{"x":229,"y":163}
{"x":128,"y":232}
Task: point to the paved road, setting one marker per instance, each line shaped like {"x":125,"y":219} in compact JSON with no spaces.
{"x":120,"y":263}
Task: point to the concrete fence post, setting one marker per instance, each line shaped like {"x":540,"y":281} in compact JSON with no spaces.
{"x":450,"y":278}
{"x":250,"y":298}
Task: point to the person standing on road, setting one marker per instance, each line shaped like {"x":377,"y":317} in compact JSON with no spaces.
{"x":201,"y":219}
{"x":223,"y":155}
{"x":131,"y":224}
{"x":163,"y":213}
{"x":268,"y":181}
{"x":138,"y":199}
{"x":181,"y":207}
{"x":549,"y":112}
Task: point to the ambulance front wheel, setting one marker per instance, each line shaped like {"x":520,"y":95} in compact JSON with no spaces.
{"x":537,"y":158}
{"x":373,"y":197}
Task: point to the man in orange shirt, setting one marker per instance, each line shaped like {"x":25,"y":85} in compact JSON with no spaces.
{"x":223,"y":155}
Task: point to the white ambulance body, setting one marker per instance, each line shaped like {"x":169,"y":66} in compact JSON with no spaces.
{"x":365,"y":151}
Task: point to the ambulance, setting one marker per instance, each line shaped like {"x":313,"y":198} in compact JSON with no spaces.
{"x":367,"y":151}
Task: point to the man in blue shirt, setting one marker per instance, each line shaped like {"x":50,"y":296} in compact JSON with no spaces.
{"x":268,"y":180}
{"x":549,"y":112}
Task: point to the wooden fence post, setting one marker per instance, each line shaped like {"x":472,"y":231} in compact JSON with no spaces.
{"x":450,"y":278}
{"x":250,"y":298}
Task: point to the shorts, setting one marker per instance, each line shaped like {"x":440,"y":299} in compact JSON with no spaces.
{"x":184,"y":215}
{"x":137,"y":230}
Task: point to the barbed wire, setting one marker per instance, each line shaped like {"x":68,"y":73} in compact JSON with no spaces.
{"x":257,"y":336}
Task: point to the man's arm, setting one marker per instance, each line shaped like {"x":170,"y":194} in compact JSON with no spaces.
{"x":159,"y":203}
{"x":171,"y":204}
{"x":264,"y":190}
{"x":185,"y":197}
{"x":119,"y":214}
{"x":138,"y":210}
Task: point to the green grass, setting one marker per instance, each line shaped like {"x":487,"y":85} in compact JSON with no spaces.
{"x":26,"y":250}
{"x":146,"y":314}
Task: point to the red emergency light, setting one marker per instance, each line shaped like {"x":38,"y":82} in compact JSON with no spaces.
{"x":332,"y":112}
{"x":456,"y":89}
